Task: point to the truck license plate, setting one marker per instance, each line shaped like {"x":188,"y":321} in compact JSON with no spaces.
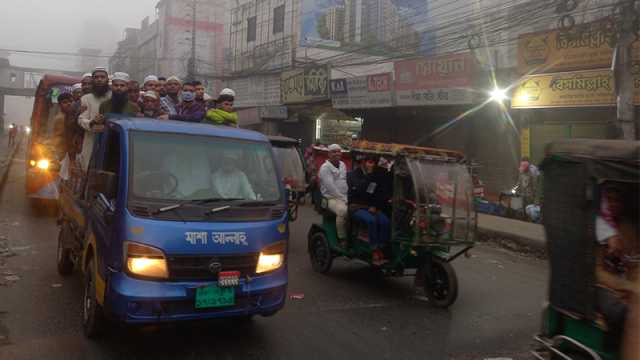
{"x":212,"y":296}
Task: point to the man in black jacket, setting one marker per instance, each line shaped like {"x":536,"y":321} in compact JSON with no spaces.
{"x":369,"y":193}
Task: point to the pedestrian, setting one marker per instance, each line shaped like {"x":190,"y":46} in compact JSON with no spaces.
{"x":172,"y":99}
{"x":526,"y":184}
{"x":90,"y":109}
{"x":151,"y":107}
{"x":334,"y":188}
{"x":13,"y":132}
{"x":224,"y":114}
{"x":189,"y":109}
{"x":134,"y":92}
{"x":119,"y":102}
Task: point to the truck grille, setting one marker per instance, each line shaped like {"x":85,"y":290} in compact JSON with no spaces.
{"x":186,"y":268}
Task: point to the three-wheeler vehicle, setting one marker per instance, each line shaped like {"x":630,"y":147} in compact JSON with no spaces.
{"x":289,"y":158}
{"x":431,"y":213}
{"x":175,"y":221}
{"x":43,"y":165}
{"x":577,"y":175}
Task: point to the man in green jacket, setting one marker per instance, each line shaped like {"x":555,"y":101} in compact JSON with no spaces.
{"x":224,"y":113}
{"x":119,"y":102}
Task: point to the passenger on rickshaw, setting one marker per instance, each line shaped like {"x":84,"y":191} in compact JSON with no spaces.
{"x":334,"y":188}
{"x":618,"y":285}
{"x":369,"y":193}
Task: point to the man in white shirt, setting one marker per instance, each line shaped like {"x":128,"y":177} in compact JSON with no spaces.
{"x":231,"y":183}
{"x":333,"y":186}
{"x":90,"y":119}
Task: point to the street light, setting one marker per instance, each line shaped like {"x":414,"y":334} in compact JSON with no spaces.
{"x":498,"y":95}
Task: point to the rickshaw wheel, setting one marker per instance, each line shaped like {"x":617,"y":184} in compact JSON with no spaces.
{"x":320,"y":252}
{"x":442,"y":287}
{"x":63,"y":259}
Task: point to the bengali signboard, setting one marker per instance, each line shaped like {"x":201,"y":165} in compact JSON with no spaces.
{"x":369,"y":26}
{"x":256,"y":91}
{"x":273,"y":112}
{"x":569,"y":89}
{"x":362,"y":92}
{"x":309,"y":84}
{"x":442,"y":80}
{"x":587,"y":46}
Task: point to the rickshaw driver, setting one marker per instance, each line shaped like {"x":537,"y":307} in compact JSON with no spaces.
{"x":230,"y":182}
{"x":334,"y":188}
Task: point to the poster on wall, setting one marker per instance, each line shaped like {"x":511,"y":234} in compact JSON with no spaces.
{"x":302,"y":85}
{"x":441,"y":80}
{"x":369,"y":26}
{"x":362,"y":92}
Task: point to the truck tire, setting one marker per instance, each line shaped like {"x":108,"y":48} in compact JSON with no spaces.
{"x":93,"y":321}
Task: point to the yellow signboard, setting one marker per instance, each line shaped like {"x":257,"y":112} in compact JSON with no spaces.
{"x":525,"y":140}
{"x":587,"y":46}
{"x":570,"y":89}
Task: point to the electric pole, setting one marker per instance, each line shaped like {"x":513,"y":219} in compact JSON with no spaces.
{"x":627,"y":127}
{"x":192,"y":60}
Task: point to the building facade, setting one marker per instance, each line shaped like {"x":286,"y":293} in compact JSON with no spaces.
{"x":126,"y":57}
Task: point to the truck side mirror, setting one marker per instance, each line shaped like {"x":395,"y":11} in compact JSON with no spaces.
{"x":103,"y":182}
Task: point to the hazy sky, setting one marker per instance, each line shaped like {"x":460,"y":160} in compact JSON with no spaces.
{"x":66,"y":25}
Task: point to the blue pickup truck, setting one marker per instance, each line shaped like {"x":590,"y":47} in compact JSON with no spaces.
{"x":175,"y":221}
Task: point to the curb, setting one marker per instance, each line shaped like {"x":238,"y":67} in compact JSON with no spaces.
{"x":4,"y":171}
{"x":513,"y":241}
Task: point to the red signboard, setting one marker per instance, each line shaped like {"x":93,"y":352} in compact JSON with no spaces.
{"x":379,"y":83}
{"x":439,"y":72}
{"x":205,"y":26}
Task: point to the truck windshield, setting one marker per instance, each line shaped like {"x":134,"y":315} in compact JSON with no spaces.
{"x":291,"y":165}
{"x":192,"y":167}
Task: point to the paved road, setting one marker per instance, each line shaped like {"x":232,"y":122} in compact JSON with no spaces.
{"x":346,"y":314}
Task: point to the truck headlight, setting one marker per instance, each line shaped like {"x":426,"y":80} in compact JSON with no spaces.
{"x":272,"y":257}
{"x":146,"y":261}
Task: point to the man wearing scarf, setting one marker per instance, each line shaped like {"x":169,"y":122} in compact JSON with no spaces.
{"x":89,"y":118}
{"x":119,"y":102}
{"x":169,"y":102}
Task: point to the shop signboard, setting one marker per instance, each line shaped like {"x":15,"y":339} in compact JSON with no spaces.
{"x":362,"y":92}
{"x":587,"y":46}
{"x":303,"y":85}
{"x":569,"y":89}
{"x":273,"y":112}
{"x":442,"y":80}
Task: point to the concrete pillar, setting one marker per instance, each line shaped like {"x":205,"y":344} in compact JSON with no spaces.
{"x":1,"y":114}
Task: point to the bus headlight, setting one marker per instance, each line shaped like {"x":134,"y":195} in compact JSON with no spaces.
{"x":146,"y":261}
{"x":43,"y":164}
{"x":272,"y":257}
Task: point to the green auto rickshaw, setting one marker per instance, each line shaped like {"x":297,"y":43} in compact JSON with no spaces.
{"x":431,"y":213}
{"x":584,"y":317}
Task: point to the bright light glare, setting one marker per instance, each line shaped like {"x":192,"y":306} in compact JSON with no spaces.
{"x":148,"y":267}
{"x":27,"y":129}
{"x":269,"y":262}
{"x":43,"y":164}
{"x":498,"y":95}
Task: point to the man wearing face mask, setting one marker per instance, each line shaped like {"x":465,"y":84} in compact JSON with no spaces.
{"x":189,"y":109}
{"x":90,"y":119}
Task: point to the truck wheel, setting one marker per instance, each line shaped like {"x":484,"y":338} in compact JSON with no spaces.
{"x":64,"y":262}
{"x":93,"y":321}
{"x":320,"y":252}
{"x":441,"y":283}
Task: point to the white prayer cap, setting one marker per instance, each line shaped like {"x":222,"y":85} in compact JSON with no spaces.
{"x":121,"y":76}
{"x":151,"y":94}
{"x":77,"y":86}
{"x":87,"y":75}
{"x":174,"y":78}
{"x":150,"y":78}
{"x":334,"y":147}
{"x":99,"y":69}
{"x":228,"y":91}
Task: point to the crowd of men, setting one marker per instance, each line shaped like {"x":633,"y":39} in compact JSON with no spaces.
{"x":82,"y":112}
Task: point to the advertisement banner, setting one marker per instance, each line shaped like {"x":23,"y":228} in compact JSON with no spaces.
{"x":374,"y":27}
{"x":310,"y":84}
{"x":569,"y":89}
{"x":256,"y":91}
{"x":442,"y":80}
{"x":362,"y":92}
{"x":586,"y":47}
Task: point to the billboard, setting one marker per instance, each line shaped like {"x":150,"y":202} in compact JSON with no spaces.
{"x":441,"y":80}
{"x":569,"y":89}
{"x":361,"y":92}
{"x":587,"y":46}
{"x":302,"y":85}
{"x":367,"y":26}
